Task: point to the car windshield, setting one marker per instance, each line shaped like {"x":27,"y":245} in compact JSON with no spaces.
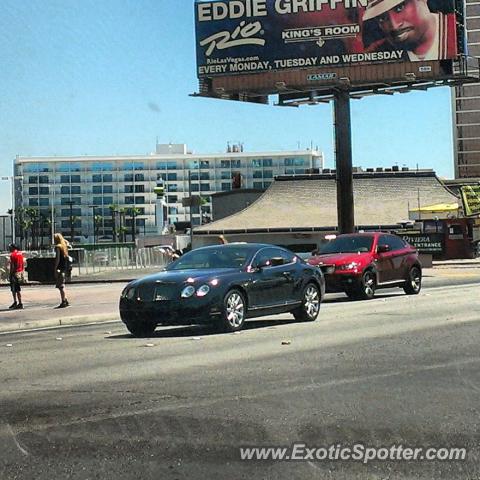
{"x":348,"y":244}
{"x":219,"y":257}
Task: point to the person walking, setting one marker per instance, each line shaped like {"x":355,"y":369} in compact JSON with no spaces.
{"x":16,"y":276}
{"x":61,"y":266}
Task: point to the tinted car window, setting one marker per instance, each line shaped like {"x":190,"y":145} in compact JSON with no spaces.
{"x":265,"y":255}
{"x":395,"y":243}
{"x":348,"y":244}
{"x":220,"y":257}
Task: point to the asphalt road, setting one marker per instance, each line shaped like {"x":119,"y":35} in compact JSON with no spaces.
{"x":94,"y":402}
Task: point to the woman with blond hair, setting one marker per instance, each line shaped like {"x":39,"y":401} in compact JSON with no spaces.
{"x":61,"y":263}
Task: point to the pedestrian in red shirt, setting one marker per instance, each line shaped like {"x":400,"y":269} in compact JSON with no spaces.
{"x":17,"y":267}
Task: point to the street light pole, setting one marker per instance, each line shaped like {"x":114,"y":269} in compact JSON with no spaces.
{"x":93,"y":207}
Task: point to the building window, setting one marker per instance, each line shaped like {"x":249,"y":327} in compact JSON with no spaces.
{"x":97,"y":189}
{"x":162,"y":176}
{"x":172,"y":177}
{"x":75,"y":200}
{"x":32,"y":179}
{"x":204,"y":175}
{"x":225,"y":163}
{"x":195,"y":187}
{"x":128,"y":177}
{"x":139,"y":188}
{"x":128,"y":189}
{"x":257,"y":174}
{"x":139,"y":177}
{"x":33,"y":191}
{"x":97,"y":200}
{"x":226,"y":186}
{"x":225,"y":175}
{"x":96,"y":178}
{"x":172,"y":210}
{"x":267,"y":174}
{"x":129,"y":200}
{"x":256,"y":163}
{"x":44,"y":202}
{"x":236,"y":164}
{"x":267,"y":162}
{"x":65,"y":190}
{"x":44,"y":190}
{"x":33,"y":202}
{"x":172,"y":198}
{"x":108,"y":189}
{"x":64,"y":178}
{"x":139,"y":200}
{"x":76,"y":190}
{"x":101,"y":166}
{"x":204,"y":164}
{"x":172,"y":187}
{"x":133,"y":166}
{"x":204,"y":187}
{"x":258,"y":185}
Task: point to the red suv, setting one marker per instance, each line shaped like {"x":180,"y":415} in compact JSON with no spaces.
{"x":363,"y":262}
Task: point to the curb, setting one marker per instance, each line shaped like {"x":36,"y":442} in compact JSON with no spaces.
{"x":58,"y":322}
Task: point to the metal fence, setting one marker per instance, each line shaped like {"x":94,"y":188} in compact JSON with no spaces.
{"x":105,"y":260}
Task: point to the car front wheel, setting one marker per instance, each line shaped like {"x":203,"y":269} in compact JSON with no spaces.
{"x":234,"y":311}
{"x":141,"y":330}
{"x":310,"y":308}
{"x":368,"y":283}
{"x":413,"y":284}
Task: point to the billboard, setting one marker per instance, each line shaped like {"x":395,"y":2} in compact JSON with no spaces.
{"x":471,"y":199}
{"x":258,"y":36}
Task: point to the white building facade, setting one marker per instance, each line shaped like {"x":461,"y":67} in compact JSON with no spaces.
{"x":85,"y":187}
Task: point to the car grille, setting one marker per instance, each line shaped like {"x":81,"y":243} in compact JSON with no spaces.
{"x":156,"y":292}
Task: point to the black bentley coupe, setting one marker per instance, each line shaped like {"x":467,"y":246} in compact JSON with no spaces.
{"x":223,"y":285}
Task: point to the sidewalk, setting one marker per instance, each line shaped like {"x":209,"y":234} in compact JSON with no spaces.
{"x":95,"y":300}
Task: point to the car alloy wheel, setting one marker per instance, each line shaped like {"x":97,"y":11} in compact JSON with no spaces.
{"x":310,"y":308}
{"x":413,"y":284}
{"x":368,"y":284}
{"x":234,"y":311}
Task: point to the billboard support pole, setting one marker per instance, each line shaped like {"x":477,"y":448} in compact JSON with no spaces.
{"x":343,"y":160}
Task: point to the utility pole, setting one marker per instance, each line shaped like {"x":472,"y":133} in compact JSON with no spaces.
{"x":190,"y":207}
{"x":343,"y":157}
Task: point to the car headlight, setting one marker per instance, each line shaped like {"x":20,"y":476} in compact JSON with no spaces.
{"x":348,"y":266}
{"x":203,"y":290}
{"x":188,"y":291}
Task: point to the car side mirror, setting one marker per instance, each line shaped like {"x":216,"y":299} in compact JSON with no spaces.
{"x":383,"y":248}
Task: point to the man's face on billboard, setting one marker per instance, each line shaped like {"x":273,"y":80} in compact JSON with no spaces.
{"x":405,"y":24}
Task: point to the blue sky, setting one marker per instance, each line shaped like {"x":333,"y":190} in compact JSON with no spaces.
{"x":104,"y":77}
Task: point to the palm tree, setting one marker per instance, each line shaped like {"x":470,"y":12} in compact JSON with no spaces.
{"x":32,"y":217}
{"x":134,"y":211}
{"x":121,"y":229}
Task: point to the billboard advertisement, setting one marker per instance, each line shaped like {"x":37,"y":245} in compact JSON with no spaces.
{"x":254,"y":36}
{"x":471,"y":199}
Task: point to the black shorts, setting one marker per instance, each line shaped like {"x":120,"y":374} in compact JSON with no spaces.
{"x":15,"y":283}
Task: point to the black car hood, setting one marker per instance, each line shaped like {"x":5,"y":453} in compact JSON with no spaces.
{"x":181,"y":276}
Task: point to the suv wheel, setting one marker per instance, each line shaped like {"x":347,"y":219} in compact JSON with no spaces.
{"x":413,"y":284}
{"x":368,"y":284}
